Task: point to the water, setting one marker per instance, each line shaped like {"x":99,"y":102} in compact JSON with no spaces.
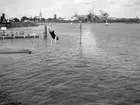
{"x":103,"y":70}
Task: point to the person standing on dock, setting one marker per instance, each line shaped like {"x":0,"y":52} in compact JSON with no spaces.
{"x":3,"y":19}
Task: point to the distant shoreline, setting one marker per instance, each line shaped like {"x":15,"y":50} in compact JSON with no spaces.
{"x":34,"y":24}
{"x":40,"y":23}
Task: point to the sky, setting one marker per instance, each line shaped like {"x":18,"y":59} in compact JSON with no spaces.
{"x":66,"y":8}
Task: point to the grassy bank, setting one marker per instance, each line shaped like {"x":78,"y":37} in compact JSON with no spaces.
{"x":20,"y":24}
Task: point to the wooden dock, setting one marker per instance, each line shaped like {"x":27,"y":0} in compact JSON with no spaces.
{"x":19,"y":37}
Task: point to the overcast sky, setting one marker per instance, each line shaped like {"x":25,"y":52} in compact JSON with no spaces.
{"x":65,"y":8}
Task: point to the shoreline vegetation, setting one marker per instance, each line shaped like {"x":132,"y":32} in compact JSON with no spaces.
{"x":96,"y":20}
{"x":90,"y":22}
{"x":36,"y":21}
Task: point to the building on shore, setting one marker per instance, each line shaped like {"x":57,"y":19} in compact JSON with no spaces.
{"x":55,"y":16}
{"x":39,"y":17}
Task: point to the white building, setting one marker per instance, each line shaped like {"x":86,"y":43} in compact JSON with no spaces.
{"x":39,"y":16}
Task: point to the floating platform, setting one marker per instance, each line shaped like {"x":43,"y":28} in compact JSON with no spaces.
{"x":19,"y":37}
{"x":19,"y":51}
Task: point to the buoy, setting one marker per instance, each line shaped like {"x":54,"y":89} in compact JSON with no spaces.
{"x":106,"y":24}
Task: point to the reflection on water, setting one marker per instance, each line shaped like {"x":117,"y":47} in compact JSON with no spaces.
{"x":89,"y":43}
{"x":88,"y":47}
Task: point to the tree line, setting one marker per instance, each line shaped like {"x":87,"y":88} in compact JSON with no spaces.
{"x":25,"y":18}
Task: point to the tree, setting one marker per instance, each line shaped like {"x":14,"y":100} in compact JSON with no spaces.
{"x":49,"y":19}
{"x":43,"y":20}
{"x":24,"y":18}
{"x":89,"y":17}
{"x":16,"y":19}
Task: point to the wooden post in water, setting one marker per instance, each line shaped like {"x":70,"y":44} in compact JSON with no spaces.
{"x":80,"y":32}
{"x":106,"y":23}
{"x":45,"y":36}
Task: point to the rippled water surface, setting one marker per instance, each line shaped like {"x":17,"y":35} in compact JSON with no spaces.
{"x":103,"y":70}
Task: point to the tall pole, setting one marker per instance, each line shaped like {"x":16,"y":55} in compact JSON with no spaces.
{"x":45,"y":36}
{"x":80,"y":32}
